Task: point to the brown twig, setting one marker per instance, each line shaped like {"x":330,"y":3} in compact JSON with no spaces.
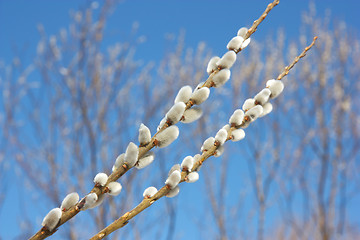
{"x":287,"y":68}
{"x":147,"y":202}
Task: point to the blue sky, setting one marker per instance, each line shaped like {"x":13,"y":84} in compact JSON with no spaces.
{"x":208,"y":21}
{"x":214,"y":22}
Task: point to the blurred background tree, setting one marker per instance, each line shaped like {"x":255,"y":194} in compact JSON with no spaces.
{"x":68,"y":113}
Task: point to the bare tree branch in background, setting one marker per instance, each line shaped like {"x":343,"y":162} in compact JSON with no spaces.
{"x":69,"y":113}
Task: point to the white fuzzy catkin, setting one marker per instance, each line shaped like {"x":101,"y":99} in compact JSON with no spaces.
{"x":237,"y":135}
{"x":174,"y":179}
{"x":99,"y":201}
{"x":268,"y":107}
{"x":167,"y":136}
{"x":221,"y":77}
{"x":144,"y":134}
{"x":263,"y":96}
{"x":219,"y":151}
{"x":173,"y":192}
{"x":254,"y":112}
{"x":145,"y":161}
{"x":208,"y":143}
{"x":212,"y":64}
{"x":175,"y":113}
{"x":249,"y":103}
{"x":235,"y":43}
{"x":120,"y":160}
{"x":114,"y":188}
{"x":237,"y":117}
{"x":51,"y":219}
{"x":149,"y":192}
{"x":101,"y":179}
{"x":221,"y":136}
{"x":69,"y":201}
{"x":191,"y":115}
{"x":131,"y":154}
{"x":90,"y":201}
{"x":192,"y":177}
{"x":197,"y":157}
{"x":176,"y":167}
{"x":226,"y":127}
{"x":162,"y":123}
{"x":245,"y":43}
{"x":187,"y":163}
{"x":183,"y":94}
{"x":276,"y":87}
{"x":242,"y":32}
{"x":200,"y":95}
{"x":227,"y":60}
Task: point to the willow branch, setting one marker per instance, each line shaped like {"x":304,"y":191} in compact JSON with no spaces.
{"x":147,"y":202}
{"x":303,"y":54}
{"x":208,"y":83}
{"x":72,"y":212}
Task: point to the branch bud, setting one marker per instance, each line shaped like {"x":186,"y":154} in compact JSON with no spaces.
{"x":183,"y":94}
{"x":131,"y":154}
{"x":167,"y":136}
{"x":52,"y":219}
{"x":174,"y":179}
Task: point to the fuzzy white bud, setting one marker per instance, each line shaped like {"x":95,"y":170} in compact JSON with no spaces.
{"x":175,"y":113}
{"x":237,"y":135}
{"x":174,"y":179}
{"x":254,"y":112}
{"x":242,"y":32}
{"x":162,"y":123}
{"x":120,"y":160}
{"x":99,"y":201}
{"x":208,"y":143}
{"x":192,"y":177}
{"x":167,"y":136}
{"x":145,"y":161}
{"x":89,"y":201}
{"x":176,"y":167}
{"x":191,"y":115}
{"x":197,"y":157}
{"x":276,"y":87}
{"x":249,"y":103}
{"x":212,"y":64}
{"x":144,"y":135}
{"x":227,"y":60}
{"x":131,"y":154}
{"x":219,"y":151}
{"x":245,"y":43}
{"x":226,"y":127}
{"x":221,"y":136}
{"x":149,"y":192}
{"x":114,"y":188}
{"x":101,"y":179}
{"x":268,"y":107}
{"x":200,"y":95}
{"x":183,"y":94}
{"x":69,"y":201}
{"x":187,"y":163}
{"x":221,"y":77}
{"x":237,"y":117}
{"x":235,"y":43}
{"x":173,"y":192}
{"x":263,"y":96}
{"x":51,"y":219}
